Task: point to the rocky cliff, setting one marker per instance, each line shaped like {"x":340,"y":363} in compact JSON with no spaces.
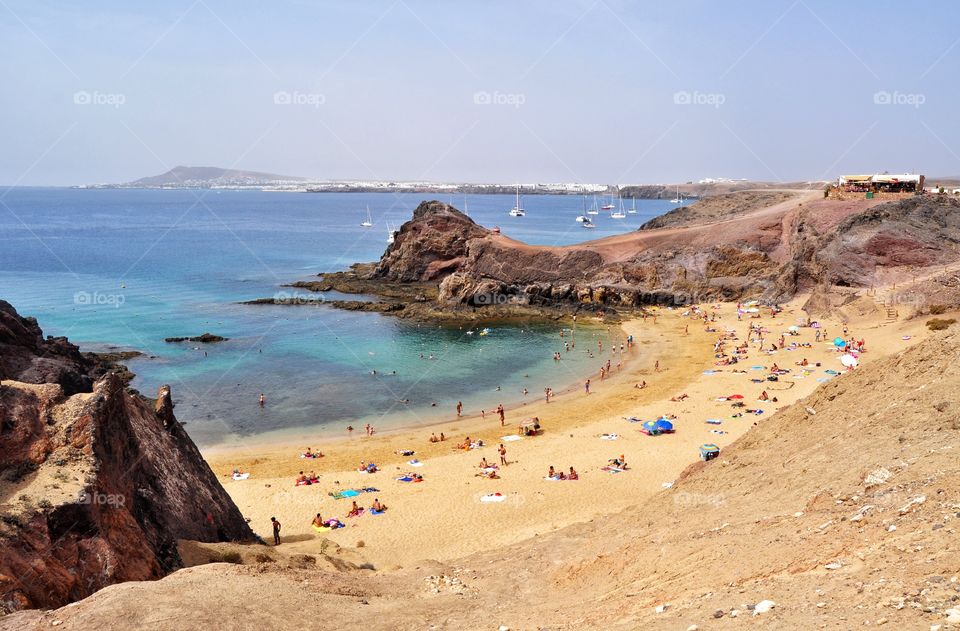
{"x":95,"y":487}
{"x":25,"y":355}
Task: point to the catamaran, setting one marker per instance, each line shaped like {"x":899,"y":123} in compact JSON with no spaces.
{"x":368,"y":222}
{"x":517,"y":210}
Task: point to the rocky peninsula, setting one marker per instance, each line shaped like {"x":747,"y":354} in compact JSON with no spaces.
{"x":766,"y":245}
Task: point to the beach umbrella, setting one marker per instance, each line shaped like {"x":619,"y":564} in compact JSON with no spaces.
{"x":849,"y":360}
{"x":650,"y":427}
{"x":664,"y":425}
{"x":839,"y":342}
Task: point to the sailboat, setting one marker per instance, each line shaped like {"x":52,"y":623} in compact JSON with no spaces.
{"x":391,"y":234}
{"x":583,"y":217}
{"x":678,"y":199}
{"x":609,"y":205}
{"x":633,"y":208}
{"x":517,"y":210}
{"x":369,"y":220}
{"x":619,"y":214}
{"x":593,"y":209}
{"x":466,"y":211}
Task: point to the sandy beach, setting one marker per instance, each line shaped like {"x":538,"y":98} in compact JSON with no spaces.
{"x":443,"y":517}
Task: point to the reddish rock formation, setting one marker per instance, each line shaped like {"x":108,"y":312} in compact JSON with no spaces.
{"x":97,"y":487}
{"x":797,"y":244}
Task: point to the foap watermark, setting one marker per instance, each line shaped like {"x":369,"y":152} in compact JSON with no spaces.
{"x":102,"y":499}
{"x":514,"y":100}
{"x":909,"y":99}
{"x":691,"y":500}
{"x":85,"y":298}
{"x":490,"y":298}
{"x":297,"y":298}
{"x":310,"y":99}
{"x":111,"y":99}
{"x":712,"y":99}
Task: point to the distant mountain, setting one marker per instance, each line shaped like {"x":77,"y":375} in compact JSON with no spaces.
{"x":204,"y":177}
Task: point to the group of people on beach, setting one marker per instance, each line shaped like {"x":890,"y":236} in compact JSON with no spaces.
{"x":572,"y":475}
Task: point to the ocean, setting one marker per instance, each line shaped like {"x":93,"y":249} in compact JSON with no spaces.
{"x":124,"y":269}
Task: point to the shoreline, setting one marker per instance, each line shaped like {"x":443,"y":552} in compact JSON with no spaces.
{"x":335,"y":436}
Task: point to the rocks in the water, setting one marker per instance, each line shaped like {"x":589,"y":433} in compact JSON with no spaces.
{"x":205,"y":338}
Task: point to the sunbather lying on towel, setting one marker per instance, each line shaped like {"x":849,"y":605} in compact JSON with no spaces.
{"x":620,"y":463}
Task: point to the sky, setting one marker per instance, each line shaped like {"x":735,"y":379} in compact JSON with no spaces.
{"x":604,"y":91}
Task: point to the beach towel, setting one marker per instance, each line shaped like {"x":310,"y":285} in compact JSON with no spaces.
{"x":553,"y":479}
{"x":612,"y":470}
{"x":369,"y":489}
{"x":405,"y":478}
{"x":493,"y":497}
{"x":710,"y":372}
{"x":756,"y":367}
{"x":322,"y":529}
{"x":415,"y":463}
{"x":609,"y":437}
{"x":632,"y":419}
{"x":358,"y":513}
{"x":717,"y":431}
{"x":714,"y":421}
{"x":349,"y":493}
{"x":241,"y":476}
{"x":376,"y":512}
{"x":511,"y":438}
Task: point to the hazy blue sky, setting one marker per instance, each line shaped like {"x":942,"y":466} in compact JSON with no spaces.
{"x":551,"y":90}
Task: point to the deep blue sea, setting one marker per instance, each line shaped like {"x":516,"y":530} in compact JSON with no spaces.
{"x":127,"y":268}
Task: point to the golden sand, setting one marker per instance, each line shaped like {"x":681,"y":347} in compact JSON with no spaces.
{"x":443,"y":517}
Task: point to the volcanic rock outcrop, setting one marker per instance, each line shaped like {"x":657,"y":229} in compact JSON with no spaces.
{"x":95,"y":487}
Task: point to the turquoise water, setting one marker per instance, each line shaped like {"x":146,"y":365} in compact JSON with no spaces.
{"x":127,"y":268}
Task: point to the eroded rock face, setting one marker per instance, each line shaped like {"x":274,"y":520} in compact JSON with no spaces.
{"x":26,"y":356}
{"x":430,"y":246}
{"x":97,"y":487}
{"x":919,"y":232}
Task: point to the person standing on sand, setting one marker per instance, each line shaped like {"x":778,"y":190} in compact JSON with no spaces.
{"x":503,"y":416}
{"x":656,"y":366}
{"x":503,"y":455}
{"x":276,"y":531}
{"x":586,"y":386}
{"x":459,"y":408}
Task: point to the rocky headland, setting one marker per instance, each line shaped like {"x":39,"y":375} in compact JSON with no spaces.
{"x":767,"y":245}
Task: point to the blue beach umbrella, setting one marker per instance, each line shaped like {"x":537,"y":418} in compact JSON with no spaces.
{"x":664,"y":425}
{"x":651,"y":427}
